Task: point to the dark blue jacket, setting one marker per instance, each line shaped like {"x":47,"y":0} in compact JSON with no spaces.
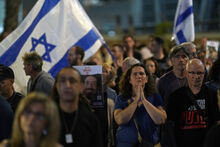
{"x":6,"y":119}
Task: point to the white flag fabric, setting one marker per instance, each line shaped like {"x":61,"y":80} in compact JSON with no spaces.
{"x":183,"y":30}
{"x":51,"y":28}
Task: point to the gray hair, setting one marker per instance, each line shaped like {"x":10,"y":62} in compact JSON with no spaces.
{"x":34,"y":59}
{"x":188,"y":45}
{"x":129,"y":61}
{"x":177,"y":49}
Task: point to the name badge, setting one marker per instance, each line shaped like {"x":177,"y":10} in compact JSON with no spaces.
{"x":69,"y":138}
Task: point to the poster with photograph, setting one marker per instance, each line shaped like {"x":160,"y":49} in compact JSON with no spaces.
{"x":92,"y":84}
{"x":212,"y":49}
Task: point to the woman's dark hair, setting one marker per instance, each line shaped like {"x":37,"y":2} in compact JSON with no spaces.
{"x":215,"y":71}
{"x":126,"y":88}
{"x":155,"y":63}
{"x":128,"y":36}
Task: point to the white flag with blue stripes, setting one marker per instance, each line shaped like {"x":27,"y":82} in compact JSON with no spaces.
{"x":51,"y":28}
{"x":183,"y":30}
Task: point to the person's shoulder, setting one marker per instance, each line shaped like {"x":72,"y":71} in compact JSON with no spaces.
{"x":212,"y":85}
{"x":5,"y":107}
{"x":178,"y":94}
{"x":111,"y":93}
{"x":44,"y":74}
{"x":166,"y":76}
{"x":156,"y":95}
{"x":58,"y":145}
{"x":4,"y":143}
{"x":208,"y":88}
{"x":180,"y":91}
{"x":121,"y":97}
{"x":45,"y":79}
{"x":19,"y":95}
{"x":209,"y":91}
{"x":110,"y":90}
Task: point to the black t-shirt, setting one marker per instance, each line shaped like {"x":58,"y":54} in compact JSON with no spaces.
{"x":87,"y":131}
{"x":190,"y":126}
{"x":14,"y":100}
{"x":6,"y":119}
{"x":162,"y":65}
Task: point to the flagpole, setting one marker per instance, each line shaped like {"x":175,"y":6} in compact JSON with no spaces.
{"x":106,"y":46}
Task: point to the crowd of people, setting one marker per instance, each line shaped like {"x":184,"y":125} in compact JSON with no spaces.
{"x":151,"y":97}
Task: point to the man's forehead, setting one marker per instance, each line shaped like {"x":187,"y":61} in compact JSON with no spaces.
{"x":180,"y":53}
{"x":91,"y":78}
{"x":69,"y":73}
{"x":196,"y":67}
{"x":72,"y":50}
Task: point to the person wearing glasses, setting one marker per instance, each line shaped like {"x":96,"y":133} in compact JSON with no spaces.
{"x":192,"y":109}
{"x":36,"y":123}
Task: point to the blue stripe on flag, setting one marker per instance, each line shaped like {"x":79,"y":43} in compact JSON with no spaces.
{"x":11,"y":54}
{"x":184,"y":15}
{"x":85,"y":42}
{"x":88,"y":40}
{"x":181,"y":36}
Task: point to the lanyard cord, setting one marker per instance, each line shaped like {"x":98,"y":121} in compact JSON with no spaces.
{"x":74,"y":122}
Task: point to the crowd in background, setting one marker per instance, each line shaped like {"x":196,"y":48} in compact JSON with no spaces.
{"x":153,"y":96}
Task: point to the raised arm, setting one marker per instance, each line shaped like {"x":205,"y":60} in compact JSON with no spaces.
{"x":157,"y":114}
{"x":125,"y":115}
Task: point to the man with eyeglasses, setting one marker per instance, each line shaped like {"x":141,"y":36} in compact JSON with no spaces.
{"x":192,"y":109}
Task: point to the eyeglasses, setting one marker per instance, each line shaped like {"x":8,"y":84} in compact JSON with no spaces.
{"x":39,"y":115}
{"x":196,"y":73}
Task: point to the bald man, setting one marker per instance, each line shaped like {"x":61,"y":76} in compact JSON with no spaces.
{"x":191,"y":110}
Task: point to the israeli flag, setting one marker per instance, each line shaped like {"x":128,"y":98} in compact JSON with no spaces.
{"x":51,"y":28}
{"x":183,"y":30}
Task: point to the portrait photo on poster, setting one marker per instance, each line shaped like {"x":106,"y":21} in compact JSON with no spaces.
{"x":92,"y":84}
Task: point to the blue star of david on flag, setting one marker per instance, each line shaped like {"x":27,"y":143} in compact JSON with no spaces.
{"x":48,"y":47}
